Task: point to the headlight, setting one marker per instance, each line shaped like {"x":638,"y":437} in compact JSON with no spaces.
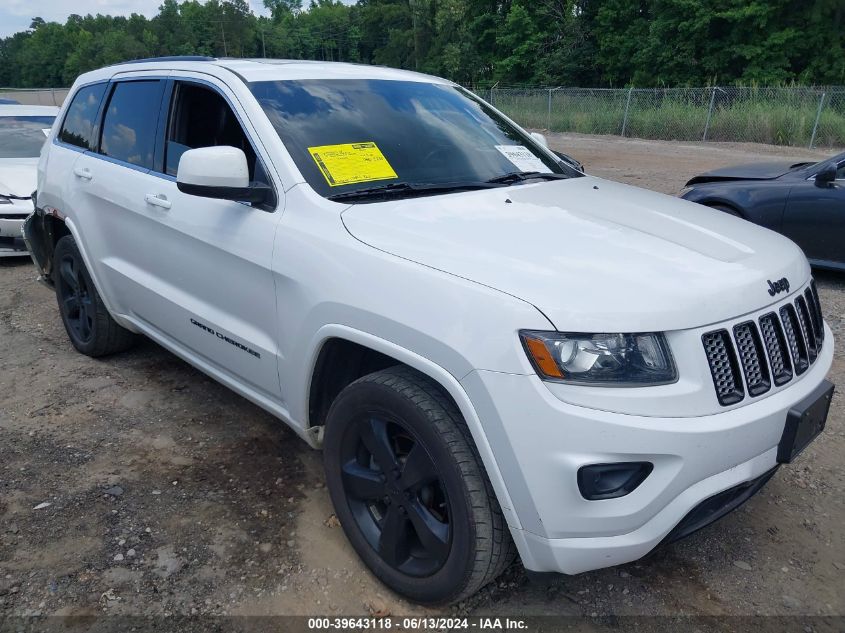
{"x":608,"y":360}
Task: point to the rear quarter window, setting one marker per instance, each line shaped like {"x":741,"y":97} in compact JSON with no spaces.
{"x":78,"y":126}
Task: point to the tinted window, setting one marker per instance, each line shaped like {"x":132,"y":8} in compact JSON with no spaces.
{"x":348,"y":134}
{"x":79,"y":122}
{"x":23,"y":136}
{"x":201,"y":117}
{"x":129,"y":125}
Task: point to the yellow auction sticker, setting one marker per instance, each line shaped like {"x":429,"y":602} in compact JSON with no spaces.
{"x":352,"y":163}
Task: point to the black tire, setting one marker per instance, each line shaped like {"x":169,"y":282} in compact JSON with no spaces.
{"x":89,"y":325}
{"x":450,"y":536}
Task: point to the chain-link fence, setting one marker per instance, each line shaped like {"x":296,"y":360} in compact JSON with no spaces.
{"x":34,"y":96}
{"x":809,"y":117}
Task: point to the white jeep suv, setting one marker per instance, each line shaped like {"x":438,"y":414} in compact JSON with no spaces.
{"x":497,"y":353}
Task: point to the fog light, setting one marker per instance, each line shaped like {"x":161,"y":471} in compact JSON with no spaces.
{"x":610,"y":481}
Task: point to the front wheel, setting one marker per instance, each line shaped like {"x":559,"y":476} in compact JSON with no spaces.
{"x":409,"y":488}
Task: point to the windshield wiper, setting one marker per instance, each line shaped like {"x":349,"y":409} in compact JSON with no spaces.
{"x":519,"y":176}
{"x":409,"y":188}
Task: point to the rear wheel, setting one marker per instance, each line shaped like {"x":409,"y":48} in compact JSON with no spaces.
{"x":88,"y":323}
{"x":409,"y":489}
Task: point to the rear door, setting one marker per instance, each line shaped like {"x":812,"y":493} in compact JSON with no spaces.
{"x":201,"y":272}
{"x":814,"y":219}
{"x":76,"y":135}
{"x":109,"y":186}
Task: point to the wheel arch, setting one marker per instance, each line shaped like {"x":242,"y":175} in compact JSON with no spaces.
{"x":714,"y":203}
{"x":42,"y":231}
{"x":62,"y":226}
{"x":368,"y":350}
{"x":340,"y":362}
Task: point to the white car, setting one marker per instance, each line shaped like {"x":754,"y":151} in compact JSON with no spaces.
{"x":23,"y":130}
{"x":496,"y":353}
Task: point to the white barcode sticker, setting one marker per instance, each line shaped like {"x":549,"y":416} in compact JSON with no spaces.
{"x":523,"y":158}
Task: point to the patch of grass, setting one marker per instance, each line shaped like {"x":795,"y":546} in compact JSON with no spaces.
{"x":775,"y":117}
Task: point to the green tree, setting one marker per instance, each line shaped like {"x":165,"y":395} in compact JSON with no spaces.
{"x":478,"y":42}
{"x":520,"y":37}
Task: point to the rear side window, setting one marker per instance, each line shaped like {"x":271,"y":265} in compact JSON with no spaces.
{"x":78,"y":126}
{"x":130,"y":121}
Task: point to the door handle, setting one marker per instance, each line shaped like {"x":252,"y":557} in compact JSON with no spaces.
{"x":83,"y":172}
{"x":157,"y":200}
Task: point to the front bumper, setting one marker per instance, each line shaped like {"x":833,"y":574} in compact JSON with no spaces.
{"x":540,"y":443}
{"x":11,"y":241}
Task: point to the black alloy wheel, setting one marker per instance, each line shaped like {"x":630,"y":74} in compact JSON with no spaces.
{"x":75,"y":300}
{"x":396,"y":496}
{"x":90,"y":327}
{"x":410,"y":490}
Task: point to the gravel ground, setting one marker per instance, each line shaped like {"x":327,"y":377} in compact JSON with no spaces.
{"x":135,"y":485}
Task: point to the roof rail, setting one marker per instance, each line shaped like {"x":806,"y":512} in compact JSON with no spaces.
{"x":171,"y":58}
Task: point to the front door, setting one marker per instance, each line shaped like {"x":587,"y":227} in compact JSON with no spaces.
{"x":213,"y":290}
{"x":195,"y":271}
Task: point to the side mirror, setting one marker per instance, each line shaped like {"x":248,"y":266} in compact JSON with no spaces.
{"x":218,"y":172}
{"x":541,"y":139}
{"x":826,"y":176}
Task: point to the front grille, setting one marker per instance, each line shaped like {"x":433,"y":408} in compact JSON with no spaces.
{"x":812,"y":295}
{"x":797,"y":346}
{"x":806,"y":327}
{"x":752,"y":358}
{"x":723,"y":367}
{"x":781,"y":345}
{"x":815,"y":317}
{"x":776,"y":349}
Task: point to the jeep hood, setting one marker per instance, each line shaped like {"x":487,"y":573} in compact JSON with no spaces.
{"x":754,"y":171}
{"x":18,"y":176}
{"x":592,"y":255}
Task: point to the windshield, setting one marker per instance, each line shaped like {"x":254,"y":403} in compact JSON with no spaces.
{"x":23,"y":136}
{"x":353,"y":134}
{"x":838,"y":158}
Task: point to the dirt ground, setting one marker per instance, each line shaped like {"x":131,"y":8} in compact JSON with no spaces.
{"x":136,"y":485}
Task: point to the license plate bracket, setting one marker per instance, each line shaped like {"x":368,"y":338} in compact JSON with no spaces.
{"x":804,"y":422}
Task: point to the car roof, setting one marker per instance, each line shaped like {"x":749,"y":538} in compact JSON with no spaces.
{"x":263,"y":69}
{"x":27,"y":110}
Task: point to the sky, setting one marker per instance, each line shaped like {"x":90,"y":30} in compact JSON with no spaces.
{"x":16,"y":15}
